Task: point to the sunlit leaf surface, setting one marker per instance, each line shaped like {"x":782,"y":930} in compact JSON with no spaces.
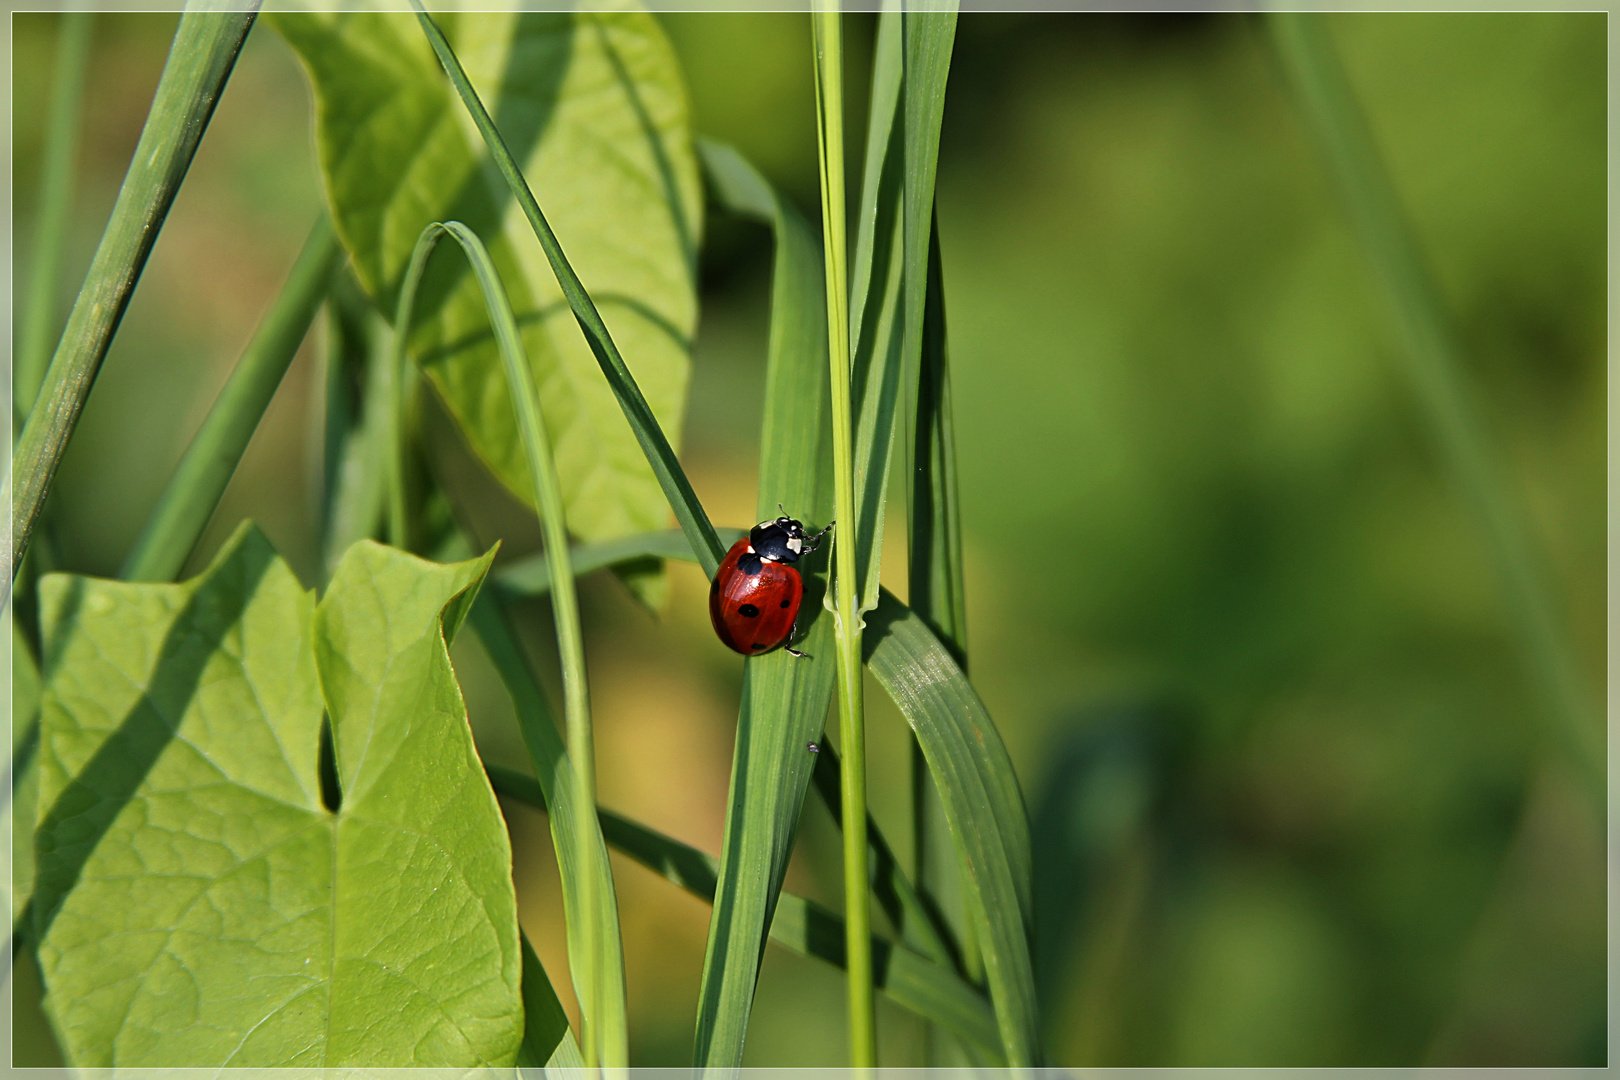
{"x":592,"y":106}
{"x":198,"y":903}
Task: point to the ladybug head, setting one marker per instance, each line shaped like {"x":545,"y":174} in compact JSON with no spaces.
{"x":782,"y":540}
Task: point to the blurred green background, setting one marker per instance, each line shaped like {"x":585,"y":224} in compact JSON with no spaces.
{"x":1243,"y":641}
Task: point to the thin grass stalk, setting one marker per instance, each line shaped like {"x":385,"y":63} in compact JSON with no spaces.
{"x":660,"y":455}
{"x":553,"y":525}
{"x":206,"y":468}
{"x":828,"y":43}
{"x":200,"y":61}
{"x":1434,"y":361}
{"x":55,"y":200}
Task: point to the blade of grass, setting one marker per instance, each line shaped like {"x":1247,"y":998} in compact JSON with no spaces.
{"x":906,"y":977}
{"x":893,"y":890}
{"x":531,"y":575}
{"x":682,"y":499}
{"x":546,"y":1038}
{"x":199,"y":480}
{"x":602,"y":1020}
{"x":937,"y":594}
{"x":934,"y":563}
{"x":784,"y":699}
{"x":357,"y":448}
{"x":829,"y":55}
{"x":55,"y":200}
{"x":982,"y":804}
{"x":200,"y":61}
{"x":1434,"y":364}
{"x":490,"y":619}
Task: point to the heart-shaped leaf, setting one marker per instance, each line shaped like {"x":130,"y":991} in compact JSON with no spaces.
{"x":199,"y":900}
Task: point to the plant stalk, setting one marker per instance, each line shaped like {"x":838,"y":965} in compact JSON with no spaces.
{"x":553,"y":525}
{"x":199,"y":481}
{"x":828,"y":43}
{"x":55,"y":200}
{"x":200,"y":61}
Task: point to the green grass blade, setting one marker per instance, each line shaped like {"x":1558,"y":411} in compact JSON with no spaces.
{"x":38,"y":316}
{"x":358,"y":450}
{"x":198,"y":482}
{"x":982,"y":804}
{"x":603,"y":1015}
{"x":1434,"y":364}
{"x":677,"y":488}
{"x":551,"y":763}
{"x":531,"y":575}
{"x":908,"y":978}
{"x":784,"y":699}
{"x":546,"y":1038}
{"x":826,"y":22}
{"x":890,"y":885}
{"x":200,"y":61}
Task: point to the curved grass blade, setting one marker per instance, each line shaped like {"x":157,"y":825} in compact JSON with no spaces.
{"x":55,"y":200}
{"x":531,"y":575}
{"x":199,"y":480}
{"x":593,"y":108}
{"x":200,"y":61}
{"x":982,"y":804}
{"x":682,"y":499}
{"x":1434,"y":363}
{"x":489,"y":618}
{"x":909,"y":979}
{"x":604,"y":1037}
{"x":784,"y":699}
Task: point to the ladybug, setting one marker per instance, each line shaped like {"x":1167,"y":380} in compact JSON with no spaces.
{"x":754,"y":600}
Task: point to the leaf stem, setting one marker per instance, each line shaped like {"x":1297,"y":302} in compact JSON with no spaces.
{"x":210,"y":460}
{"x":55,"y":200}
{"x":553,"y":525}
{"x":828,"y":43}
{"x":200,"y":61}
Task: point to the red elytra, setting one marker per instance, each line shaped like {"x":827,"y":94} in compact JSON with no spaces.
{"x":754,"y":613}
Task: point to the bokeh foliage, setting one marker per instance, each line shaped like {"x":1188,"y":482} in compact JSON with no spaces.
{"x":1238,"y":632}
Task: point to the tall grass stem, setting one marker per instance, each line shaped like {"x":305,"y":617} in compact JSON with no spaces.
{"x":828,"y":45}
{"x":199,"y":481}
{"x":55,"y":200}
{"x":205,"y":48}
{"x":553,"y":525}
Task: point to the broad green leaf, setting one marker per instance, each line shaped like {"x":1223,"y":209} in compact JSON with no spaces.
{"x":594,"y":109}
{"x":784,"y":698}
{"x":982,"y":805}
{"x":197,"y":903}
{"x":909,"y":979}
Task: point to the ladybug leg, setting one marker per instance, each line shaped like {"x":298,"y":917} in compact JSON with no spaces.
{"x":789,"y":649}
{"x":813,"y":542}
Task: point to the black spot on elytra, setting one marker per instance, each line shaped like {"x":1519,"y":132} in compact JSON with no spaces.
{"x":750,"y":564}
{"x":748,"y":611}
{"x":759,"y":644}
{"x":787,"y":603}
